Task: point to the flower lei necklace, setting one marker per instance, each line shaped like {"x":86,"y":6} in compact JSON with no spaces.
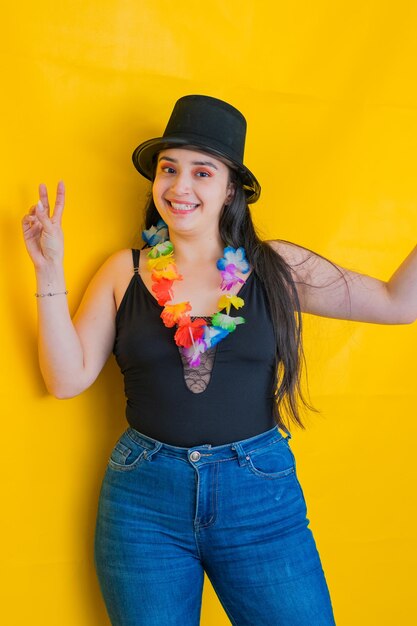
{"x":193,"y":336}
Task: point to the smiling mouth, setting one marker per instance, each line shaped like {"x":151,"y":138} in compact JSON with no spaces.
{"x":184,"y":208}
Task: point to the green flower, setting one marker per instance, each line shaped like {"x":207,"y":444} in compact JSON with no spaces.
{"x":226,"y":321}
{"x":161,"y":249}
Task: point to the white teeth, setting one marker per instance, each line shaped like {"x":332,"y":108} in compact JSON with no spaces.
{"x":183,"y":207}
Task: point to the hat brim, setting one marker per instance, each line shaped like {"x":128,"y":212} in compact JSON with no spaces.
{"x":144,"y":154}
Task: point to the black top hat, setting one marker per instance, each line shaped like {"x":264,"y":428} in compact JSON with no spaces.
{"x":212,"y":125}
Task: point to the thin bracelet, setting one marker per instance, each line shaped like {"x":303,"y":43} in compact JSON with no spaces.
{"x":58,"y":293}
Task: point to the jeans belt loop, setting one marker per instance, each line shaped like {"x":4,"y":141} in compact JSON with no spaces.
{"x":241,"y":454}
{"x":149,"y":453}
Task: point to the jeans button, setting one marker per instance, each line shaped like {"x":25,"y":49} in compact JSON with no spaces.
{"x":195,"y":455}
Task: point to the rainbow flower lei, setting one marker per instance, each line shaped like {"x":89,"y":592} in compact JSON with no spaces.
{"x":196,"y":336}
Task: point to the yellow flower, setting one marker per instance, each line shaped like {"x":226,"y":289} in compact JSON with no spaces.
{"x":169,"y":272}
{"x":160,"y":263}
{"x":227,"y":301}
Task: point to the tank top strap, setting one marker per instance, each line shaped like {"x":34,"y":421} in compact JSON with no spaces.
{"x":135,"y":257}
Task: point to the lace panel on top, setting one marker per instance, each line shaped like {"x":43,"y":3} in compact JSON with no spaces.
{"x":198,"y":378}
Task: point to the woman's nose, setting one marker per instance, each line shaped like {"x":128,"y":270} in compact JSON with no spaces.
{"x":181,"y":184}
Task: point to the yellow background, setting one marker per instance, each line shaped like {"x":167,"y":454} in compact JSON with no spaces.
{"x":330,"y":94}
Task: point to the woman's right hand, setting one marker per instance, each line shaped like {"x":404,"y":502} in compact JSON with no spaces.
{"x":42,"y":232}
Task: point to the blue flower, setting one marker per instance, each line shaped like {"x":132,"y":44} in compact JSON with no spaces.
{"x":156,"y":234}
{"x":214,"y":334}
{"x":236,"y":257}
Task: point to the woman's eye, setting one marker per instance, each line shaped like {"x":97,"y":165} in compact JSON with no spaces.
{"x":167,"y":169}
{"x":203,"y":174}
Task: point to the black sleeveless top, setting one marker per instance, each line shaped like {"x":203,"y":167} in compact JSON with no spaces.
{"x":228,"y":398}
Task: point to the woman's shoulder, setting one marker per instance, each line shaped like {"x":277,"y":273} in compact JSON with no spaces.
{"x":303,"y":262}
{"x":119,"y":261}
{"x":293,"y":253}
{"x":117,"y":271}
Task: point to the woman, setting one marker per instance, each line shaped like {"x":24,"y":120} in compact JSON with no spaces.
{"x":210,"y":349}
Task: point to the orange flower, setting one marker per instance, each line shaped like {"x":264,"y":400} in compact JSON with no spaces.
{"x":162,"y":290}
{"x":189,"y":331}
{"x":170,"y":272}
{"x":173,"y":312}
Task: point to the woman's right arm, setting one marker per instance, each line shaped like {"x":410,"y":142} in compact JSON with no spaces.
{"x":71,"y":352}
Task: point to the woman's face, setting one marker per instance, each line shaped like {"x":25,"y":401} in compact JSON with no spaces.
{"x":190,"y":189}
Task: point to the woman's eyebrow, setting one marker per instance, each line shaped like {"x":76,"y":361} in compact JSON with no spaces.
{"x":209,"y":163}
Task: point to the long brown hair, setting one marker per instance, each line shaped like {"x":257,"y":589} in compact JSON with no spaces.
{"x":237,"y":229}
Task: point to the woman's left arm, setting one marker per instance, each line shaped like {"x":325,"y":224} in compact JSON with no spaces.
{"x":330,"y":290}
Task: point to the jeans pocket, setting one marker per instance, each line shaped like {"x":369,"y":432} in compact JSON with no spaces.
{"x":272,"y":461}
{"x":127,"y":454}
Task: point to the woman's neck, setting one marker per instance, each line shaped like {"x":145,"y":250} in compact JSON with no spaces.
{"x":193,"y":249}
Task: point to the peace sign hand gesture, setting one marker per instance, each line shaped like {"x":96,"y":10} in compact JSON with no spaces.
{"x":42,"y":232}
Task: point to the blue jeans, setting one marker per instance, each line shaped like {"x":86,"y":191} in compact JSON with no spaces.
{"x":168,"y":514}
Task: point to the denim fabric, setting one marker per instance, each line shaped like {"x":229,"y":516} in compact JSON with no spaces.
{"x":168,"y":514}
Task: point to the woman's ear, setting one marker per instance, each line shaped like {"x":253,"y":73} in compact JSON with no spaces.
{"x":230,"y":192}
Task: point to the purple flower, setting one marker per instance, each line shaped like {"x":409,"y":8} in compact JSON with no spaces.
{"x":229,"y":278}
{"x":193,"y":353}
